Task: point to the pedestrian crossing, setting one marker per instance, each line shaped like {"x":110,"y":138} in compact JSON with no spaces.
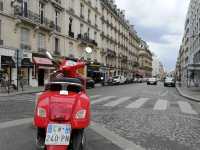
{"x":132,"y":103}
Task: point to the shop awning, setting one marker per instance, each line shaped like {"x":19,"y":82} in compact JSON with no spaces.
{"x":42,"y":61}
{"x":26,"y":63}
{"x":7,"y":61}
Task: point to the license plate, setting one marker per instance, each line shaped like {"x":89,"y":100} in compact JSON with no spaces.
{"x":58,"y":134}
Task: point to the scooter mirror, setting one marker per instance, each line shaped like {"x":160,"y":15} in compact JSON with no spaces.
{"x":88,"y":50}
{"x":49,"y":55}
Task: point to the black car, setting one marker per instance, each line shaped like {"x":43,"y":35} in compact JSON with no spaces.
{"x":90,"y":83}
{"x":169,"y":82}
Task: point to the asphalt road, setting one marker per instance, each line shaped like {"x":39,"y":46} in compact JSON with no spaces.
{"x":153,"y":117}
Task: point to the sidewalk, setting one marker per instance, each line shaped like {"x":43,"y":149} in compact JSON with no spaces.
{"x":192,"y":93}
{"x":27,"y":90}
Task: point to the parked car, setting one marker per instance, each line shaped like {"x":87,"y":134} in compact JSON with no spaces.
{"x":90,"y":83}
{"x":169,"y":81}
{"x":152,"y":81}
{"x":128,"y":80}
{"x":118,"y":80}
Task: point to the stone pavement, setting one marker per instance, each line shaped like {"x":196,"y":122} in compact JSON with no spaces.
{"x":192,"y":93}
{"x":27,"y":90}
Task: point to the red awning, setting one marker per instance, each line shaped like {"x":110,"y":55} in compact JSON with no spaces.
{"x":42,"y":61}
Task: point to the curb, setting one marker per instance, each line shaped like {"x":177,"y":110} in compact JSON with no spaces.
{"x":20,"y":93}
{"x":187,"y":96}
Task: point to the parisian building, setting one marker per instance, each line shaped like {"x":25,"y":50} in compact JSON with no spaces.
{"x":188,"y":68}
{"x":65,"y":28}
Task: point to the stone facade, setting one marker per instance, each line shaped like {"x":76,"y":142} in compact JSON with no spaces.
{"x":66,"y":28}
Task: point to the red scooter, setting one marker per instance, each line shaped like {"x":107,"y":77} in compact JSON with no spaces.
{"x":62,"y":111}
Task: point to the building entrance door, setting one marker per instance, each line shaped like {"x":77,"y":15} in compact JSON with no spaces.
{"x":41,"y":77}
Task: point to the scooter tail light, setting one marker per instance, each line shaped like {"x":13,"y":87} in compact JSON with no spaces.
{"x":41,"y":112}
{"x":81,"y":114}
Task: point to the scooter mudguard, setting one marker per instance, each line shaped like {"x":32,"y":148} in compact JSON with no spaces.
{"x":57,"y":147}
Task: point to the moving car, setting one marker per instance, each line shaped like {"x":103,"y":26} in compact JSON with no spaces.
{"x":118,"y":80}
{"x":152,"y":81}
{"x":90,"y":83}
{"x":169,"y":81}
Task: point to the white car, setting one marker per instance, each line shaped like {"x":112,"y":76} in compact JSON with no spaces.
{"x":152,"y":81}
{"x":119,"y":80}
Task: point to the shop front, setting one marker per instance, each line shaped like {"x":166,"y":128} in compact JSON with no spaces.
{"x":8,"y":66}
{"x":25,"y":69}
{"x":42,"y":68}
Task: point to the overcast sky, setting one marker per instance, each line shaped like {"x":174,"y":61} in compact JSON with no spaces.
{"x":160,"y":23}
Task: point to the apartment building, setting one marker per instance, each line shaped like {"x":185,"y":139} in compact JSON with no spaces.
{"x":145,"y":60}
{"x":189,"y":53}
{"x":65,"y":28}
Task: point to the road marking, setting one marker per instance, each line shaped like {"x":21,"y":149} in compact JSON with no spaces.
{"x":161,"y":105}
{"x":165,"y":93}
{"x":15,"y":123}
{"x":186,"y":108}
{"x":95,"y":96}
{"x":102,"y":99}
{"x":114,"y":138}
{"x":138,"y":103}
{"x":117,"y":102}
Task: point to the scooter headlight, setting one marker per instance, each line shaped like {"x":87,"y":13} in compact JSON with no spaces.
{"x":41,"y":112}
{"x":81,"y":114}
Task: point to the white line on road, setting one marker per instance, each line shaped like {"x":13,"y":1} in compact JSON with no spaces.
{"x":95,"y":96}
{"x":138,"y":103}
{"x":161,"y":105}
{"x":117,"y":102}
{"x":165,"y":93}
{"x":186,"y":108}
{"x":114,"y":138}
{"x":102,"y":99}
{"x":15,"y":123}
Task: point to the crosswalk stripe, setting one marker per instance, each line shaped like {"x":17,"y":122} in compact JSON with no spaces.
{"x":186,"y":108}
{"x":138,"y":103}
{"x":117,"y":102}
{"x":95,"y":96}
{"x":102,"y":99}
{"x":161,"y":105}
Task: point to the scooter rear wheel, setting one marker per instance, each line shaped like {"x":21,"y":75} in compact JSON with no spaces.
{"x":79,"y":140}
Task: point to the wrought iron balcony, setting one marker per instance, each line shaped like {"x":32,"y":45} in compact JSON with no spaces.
{"x":71,"y":34}
{"x":85,"y":39}
{"x":31,"y":17}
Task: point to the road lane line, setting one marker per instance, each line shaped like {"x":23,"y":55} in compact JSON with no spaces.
{"x":161,"y":105}
{"x":103,"y":99}
{"x":186,"y":108}
{"x":165,"y":93}
{"x":114,"y":138}
{"x":117,"y":102}
{"x":95,"y":96}
{"x":15,"y":123}
{"x":138,"y":103}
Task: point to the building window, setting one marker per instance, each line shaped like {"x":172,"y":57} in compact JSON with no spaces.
{"x":95,"y":19}
{"x":89,"y":13}
{"x":41,"y":41}
{"x":57,"y":17}
{"x":41,"y":12}
{"x":25,"y":8}
{"x":25,"y":35}
{"x":57,"y":43}
{"x":82,"y":11}
{"x":0,"y":30}
{"x":95,"y":36}
{"x":88,"y":33}
{"x":70,"y":24}
{"x":1,"y":5}
{"x":81,"y":28}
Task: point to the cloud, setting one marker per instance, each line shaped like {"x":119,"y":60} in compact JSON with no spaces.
{"x":160,"y":23}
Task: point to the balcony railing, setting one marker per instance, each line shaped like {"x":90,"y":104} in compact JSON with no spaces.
{"x":35,"y":18}
{"x":86,"y":39}
{"x":71,"y":34}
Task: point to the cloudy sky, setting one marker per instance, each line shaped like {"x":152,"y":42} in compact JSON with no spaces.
{"x":160,"y":23}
